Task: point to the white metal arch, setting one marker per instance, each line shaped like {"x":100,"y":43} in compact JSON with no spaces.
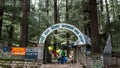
{"x":70,"y":27}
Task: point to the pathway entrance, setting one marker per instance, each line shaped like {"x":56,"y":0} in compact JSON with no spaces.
{"x":81,"y":40}
{"x":61,"y":66}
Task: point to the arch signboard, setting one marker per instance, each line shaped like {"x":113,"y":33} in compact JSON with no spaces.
{"x":54,"y":27}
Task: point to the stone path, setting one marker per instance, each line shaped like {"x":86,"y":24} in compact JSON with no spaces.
{"x":61,"y":66}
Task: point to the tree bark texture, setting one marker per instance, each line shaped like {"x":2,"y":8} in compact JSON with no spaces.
{"x":24,"y":23}
{"x":55,"y":22}
{"x":1,"y":15}
{"x":107,"y":10}
{"x":55,"y":12}
{"x":94,"y":26}
{"x":67,"y":13}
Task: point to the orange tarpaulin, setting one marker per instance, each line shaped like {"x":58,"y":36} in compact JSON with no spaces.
{"x":18,"y":50}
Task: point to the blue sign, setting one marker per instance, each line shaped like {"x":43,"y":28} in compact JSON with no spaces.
{"x":5,"y":49}
{"x":31,"y":53}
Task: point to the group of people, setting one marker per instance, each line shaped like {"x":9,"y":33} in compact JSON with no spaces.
{"x":59,"y":54}
{"x":63,"y":58}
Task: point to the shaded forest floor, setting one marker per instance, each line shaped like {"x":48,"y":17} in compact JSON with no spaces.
{"x":114,"y":66}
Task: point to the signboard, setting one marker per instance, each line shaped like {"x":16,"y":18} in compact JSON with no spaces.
{"x":6,"y":49}
{"x":62,"y":26}
{"x":31,"y":53}
{"x":18,"y":50}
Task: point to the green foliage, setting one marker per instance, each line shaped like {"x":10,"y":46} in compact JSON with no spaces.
{"x":39,"y":20}
{"x":115,"y":30}
{"x":9,"y":20}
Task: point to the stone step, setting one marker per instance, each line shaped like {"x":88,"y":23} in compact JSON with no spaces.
{"x":61,"y":66}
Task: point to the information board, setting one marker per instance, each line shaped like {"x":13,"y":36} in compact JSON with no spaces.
{"x":31,"y":53}
{"x":18,"y":51}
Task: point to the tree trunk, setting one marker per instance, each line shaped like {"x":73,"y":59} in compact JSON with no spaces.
{"x":1,"y":15}
{"x":55,"y":12}
{"x":55,"y":20}
{"x":67,"y":34}
{"x":47,"y":7}
{"x":107,"y":10}
{"x":101,"y":5}
{"x":24,"y":24}
{"x":49,"y":56}
{"x":10,"y":35}
{"x":67,"y":14}
{"x":94,"y":26}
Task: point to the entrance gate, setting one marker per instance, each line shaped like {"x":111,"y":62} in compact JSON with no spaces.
{"x":76,"y":31}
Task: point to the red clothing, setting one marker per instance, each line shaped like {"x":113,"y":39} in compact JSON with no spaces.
{"x":54,"y":53}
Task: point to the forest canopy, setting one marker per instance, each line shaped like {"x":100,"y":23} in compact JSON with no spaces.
{"x":23,"y":21}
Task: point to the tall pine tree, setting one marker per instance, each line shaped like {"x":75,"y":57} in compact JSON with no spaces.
{"x":1,"y":15}
{"x":24,"y":23}
{"x":94,"y":26}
